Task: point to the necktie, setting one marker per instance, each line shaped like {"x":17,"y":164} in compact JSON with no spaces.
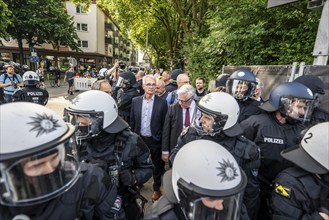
{"x":187,"y":118}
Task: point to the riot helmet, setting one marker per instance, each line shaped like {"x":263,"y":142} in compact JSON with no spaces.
{"x":102,"y":73}
{"x":207,"y":181}
{"x":292,"y":99}
{"x":315,"y":84}
{"x":41,"y":162}
{"x":218,"y":111}
{"x":30,"y":78}
{"x":241,"y":84}
{"x":92,"y":112}
{"x":312,"y":153}
{"x":126,"y":80}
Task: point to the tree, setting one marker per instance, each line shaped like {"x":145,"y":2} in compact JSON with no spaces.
{"x":5,"y":21}
{"x":40,"y":22}
{"x":246,"y":33}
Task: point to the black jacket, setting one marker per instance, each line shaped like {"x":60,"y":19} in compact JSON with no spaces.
{"x":133,"y":155}
{"x":298,"y":195}
{"x":157,"y":119}
{"x":249,"y":108}
{"x":31,"y":94}
{"x":244,"y":151}
{"x":124,"y":98}
{"x":272,"y":137}
{"x":90,"y":198}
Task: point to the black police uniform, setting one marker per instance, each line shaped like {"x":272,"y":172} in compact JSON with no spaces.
{"x":92,"y":197}
{"x":244,"y":151}
{"x":272,"y":137}
{"x":31,"y":94}
{"x":248,"y":108}
{"x":298,"y":194}
{"x":122,"y":151}
{"x":124,"y":99}
{"x":318,"y":116}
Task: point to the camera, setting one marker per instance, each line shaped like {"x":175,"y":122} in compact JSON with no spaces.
{"x":13,"y":83}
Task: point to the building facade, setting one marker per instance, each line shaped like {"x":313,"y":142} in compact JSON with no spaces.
{"x":100,"y":40}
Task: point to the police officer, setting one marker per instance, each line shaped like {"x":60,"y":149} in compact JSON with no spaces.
{"x":41,"y":177}
{"x":126,"y":90}
{"x":302,"y":192}
{"x":205,"y":184}
{"x":316,"y":85}
{"x":105,"y":139}
{"x":276,"y":130}
{"x":218,"y":122}
{"x":241,"y":85}
{"x":31,"y":92}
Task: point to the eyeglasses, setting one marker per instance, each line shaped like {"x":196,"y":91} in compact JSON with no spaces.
{"x":186,"y":101}
{"x":150,"y":85}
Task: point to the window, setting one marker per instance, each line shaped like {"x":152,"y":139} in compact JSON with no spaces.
{"x":81,"y":9}
{"x":83,"y":43}
{"x":82,"y":27}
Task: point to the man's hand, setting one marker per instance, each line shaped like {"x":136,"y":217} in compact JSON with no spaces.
{"x":165,"y":157}
{"x":127,"y":177}
{"x":324,"y":216}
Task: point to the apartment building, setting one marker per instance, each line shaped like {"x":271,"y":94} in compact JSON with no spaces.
{"x":100,"y":40}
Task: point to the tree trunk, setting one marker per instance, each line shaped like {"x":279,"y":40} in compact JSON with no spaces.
{"x":21,"y":51}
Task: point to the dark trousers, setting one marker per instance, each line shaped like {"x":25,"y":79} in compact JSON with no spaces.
{"x":155,"y":150}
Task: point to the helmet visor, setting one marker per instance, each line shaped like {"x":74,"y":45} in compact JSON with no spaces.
{"x":240,"y":89}
{"x":207,"y":123}
{"x":88,"y":124}
{"x":122,"y":83}
{"x":39,"y":177}
{"x":208,"y":208}
{"x":298,"y":109}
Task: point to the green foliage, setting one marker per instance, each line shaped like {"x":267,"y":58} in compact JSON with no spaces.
{"x":4,"y":16}
{"x":246,"y":33}
{"x":41,"y":22}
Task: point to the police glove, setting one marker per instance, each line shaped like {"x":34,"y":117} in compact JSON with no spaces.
{"x":127,"y":177}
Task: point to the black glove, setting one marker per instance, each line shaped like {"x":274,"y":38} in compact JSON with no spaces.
{"x":127,"y":177}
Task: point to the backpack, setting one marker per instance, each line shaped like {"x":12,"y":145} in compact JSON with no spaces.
{"x":6,"y":76}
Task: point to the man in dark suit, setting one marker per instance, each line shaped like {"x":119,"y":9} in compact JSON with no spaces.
{"x":177,"y":118}
{"x":147,"y":119}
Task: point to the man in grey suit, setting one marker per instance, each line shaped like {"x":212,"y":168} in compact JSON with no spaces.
{"x":147,"y":119}
{"x":178,"y":116}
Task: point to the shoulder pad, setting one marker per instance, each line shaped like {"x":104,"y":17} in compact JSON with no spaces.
{"x":282,"y":190}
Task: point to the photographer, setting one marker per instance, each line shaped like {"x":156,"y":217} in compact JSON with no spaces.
{"x":9,"y":81}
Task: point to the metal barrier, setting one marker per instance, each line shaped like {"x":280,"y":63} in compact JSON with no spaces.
{"x":83,"y":83}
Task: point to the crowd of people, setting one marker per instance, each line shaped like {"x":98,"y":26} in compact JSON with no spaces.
{"x":229,"y":153}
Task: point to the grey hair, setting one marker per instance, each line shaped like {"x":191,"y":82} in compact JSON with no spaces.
{"x":149,"y":76}
{"x":260,"y":84}
{"x":186,"y":89}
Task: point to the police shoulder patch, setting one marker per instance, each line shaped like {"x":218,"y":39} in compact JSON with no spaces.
{"x":282,"y":190}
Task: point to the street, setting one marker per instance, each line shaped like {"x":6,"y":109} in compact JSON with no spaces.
{"x":59,"y":99}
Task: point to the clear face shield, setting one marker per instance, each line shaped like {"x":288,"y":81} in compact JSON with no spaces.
{"x":197,"y":207}
{"x":297,"y":109}
{"x":122,"y":83}
{"x":88,"y":125}
{"x":208,"y":124}
{"x":40,"y":177}
{"x":240,"y":89}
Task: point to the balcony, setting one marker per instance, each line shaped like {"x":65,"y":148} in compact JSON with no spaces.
{"x":108,"y":26}
{"x":108,"y":40}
